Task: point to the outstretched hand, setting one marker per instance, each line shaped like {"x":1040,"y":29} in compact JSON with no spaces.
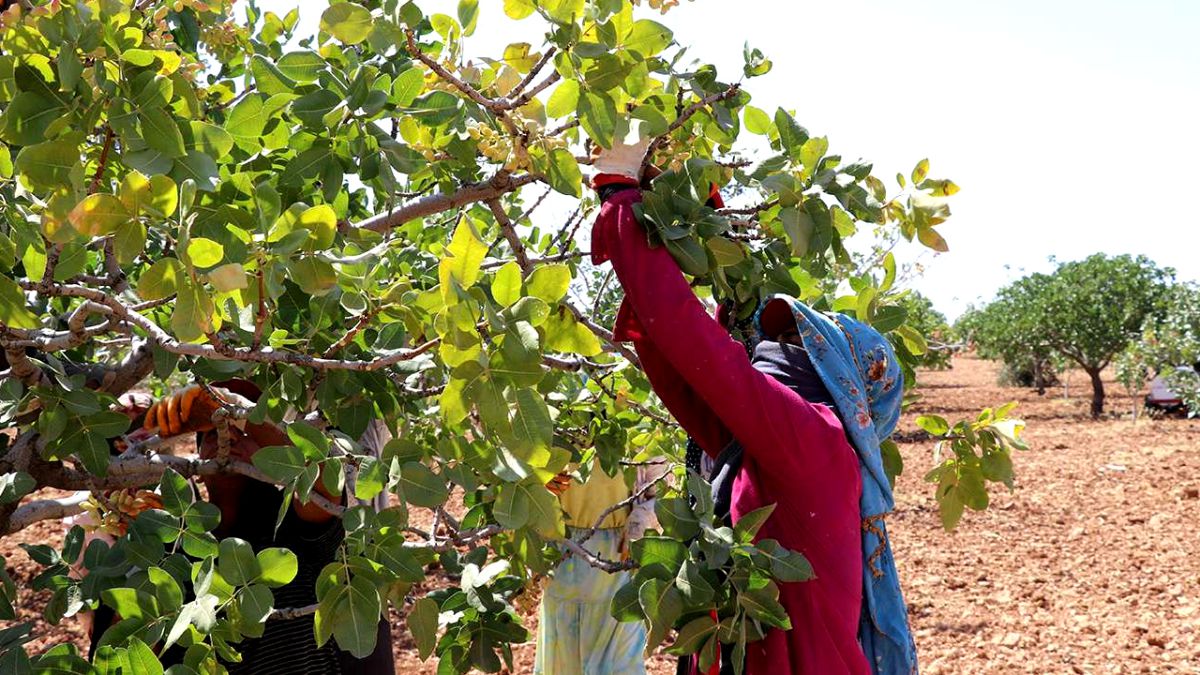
{"x":189,"y":410}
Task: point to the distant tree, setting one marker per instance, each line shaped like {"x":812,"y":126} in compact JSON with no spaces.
{"x":1006,"y":330}
{"x":931,"y":323}
{"x":1086,"y":311}
{"x":1167,"y":342}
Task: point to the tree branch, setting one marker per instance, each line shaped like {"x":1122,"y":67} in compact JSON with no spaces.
{"x":45,"y":509}
{"x":683,"y":117}
{"x":500,"y":184}
{"x":628,"y":501}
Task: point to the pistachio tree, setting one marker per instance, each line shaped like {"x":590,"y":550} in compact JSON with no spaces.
{"x":354,"y":220}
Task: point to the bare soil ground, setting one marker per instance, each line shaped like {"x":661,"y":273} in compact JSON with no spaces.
{"x":1088,"y":566}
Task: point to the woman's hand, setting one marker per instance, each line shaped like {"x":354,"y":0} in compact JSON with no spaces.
{"x":559,"y":484}
{"x":189,"y":410}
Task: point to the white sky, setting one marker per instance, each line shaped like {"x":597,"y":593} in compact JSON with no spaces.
{"x":1072,"y":126}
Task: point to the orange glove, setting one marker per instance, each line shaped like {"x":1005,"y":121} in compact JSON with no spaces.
{"x":189,"y":410}
{"x":559,"y":484}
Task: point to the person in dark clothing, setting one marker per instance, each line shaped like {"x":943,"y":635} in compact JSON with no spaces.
{"x":248,"y":511}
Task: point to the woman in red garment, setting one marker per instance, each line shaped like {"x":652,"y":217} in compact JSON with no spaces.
{"x":796,"y":454}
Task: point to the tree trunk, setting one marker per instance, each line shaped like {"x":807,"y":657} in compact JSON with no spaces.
{"x":1097,"y":393}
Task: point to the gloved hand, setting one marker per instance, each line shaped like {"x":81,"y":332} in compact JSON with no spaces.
{"x":189,"y":410}
{"x":625,"y":157}
{"x":559,"y":484}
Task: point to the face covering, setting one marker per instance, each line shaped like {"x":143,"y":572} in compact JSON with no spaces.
{"x":790,"y":364}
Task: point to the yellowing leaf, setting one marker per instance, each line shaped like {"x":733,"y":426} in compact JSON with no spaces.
{"x":229,"y":277}
{"x":517,"y":55}
{"x":466,"y":252}
{"x":565,"y":334}
{"x":321,"y":222}
{"x":98,"y":215}
{"x":757,"y":121}
{"x":920,"y":171}
{"x":932,"y":239}
{"x":549,"y":282}
{"x":519,"y":9}
{"x":564,"y":100}
{"x":648,"y":38}
{"x":506,"y":287}
{"x":205,"y":252}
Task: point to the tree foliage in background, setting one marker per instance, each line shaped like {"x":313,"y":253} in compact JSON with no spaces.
{"x":351,"y":220}
{"x":1086,"y":312}
{"x":1169,"y":347}
{"x":931,"y":323}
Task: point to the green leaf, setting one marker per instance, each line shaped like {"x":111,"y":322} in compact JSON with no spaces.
{"x":563,"y":173}
{"x":436,"y":108}
{"x":695,"y":589}
{"x":311,"y":109}
{"x":48,"y":165}
{"x":513,"y":504}
{"x":750,"y":523}
{"x":787,"y":566}
{"x":913,"y":340}
{"x":130,"y":603}
{"x":660,"y":557}
{"x":408,"y":86}
{"x":549,"y":282}
{"x":6,"y":165}
{"x":422,"y":487}
{"x":209,"y":139}
{"x":161,"y":133}
{"x":269,"y":79}
{"x":468,"y":15}
{"x":757,"y":121}
{"x":13,"y":311}
{"x":565,"y":99}
{"x":161,"y":280}
{"x":792,"y":136}
{"x":255,"y":603}
{"x":647,"y":38}
{"x":313,"y":275}
{"x":372,"y":478}
{"x":423,"y":624}
{"x":725,"y":251}
{"x":690,"y":255}
{"x":311,"y":441}
{"x":693,"y":636}
{"x":357,"y":616}
{"x":26,"y":118}
{"x":236,"y":562}
{"x":563,"y":11}
{"x":625,"y":605}
{"x":176,"y":492}
{"x":205,"y":252}
{"x":598,"y":115}
{"x":934,"y":424}
{"x":763,"y":604}
{"x":303,"y":67}
{"x":347,"y":21}
{"x":283,"y":463}
{"x":166,"y":589}
{"x":141,"y":658}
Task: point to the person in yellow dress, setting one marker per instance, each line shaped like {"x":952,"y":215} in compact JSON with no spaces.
{"x":576,"y":633}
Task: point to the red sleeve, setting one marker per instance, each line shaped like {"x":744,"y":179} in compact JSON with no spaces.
{"x":771,"y":421}
{"x":692,"y":413}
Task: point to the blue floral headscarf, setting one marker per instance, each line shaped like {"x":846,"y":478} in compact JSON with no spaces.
{"x":860,"y":370}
